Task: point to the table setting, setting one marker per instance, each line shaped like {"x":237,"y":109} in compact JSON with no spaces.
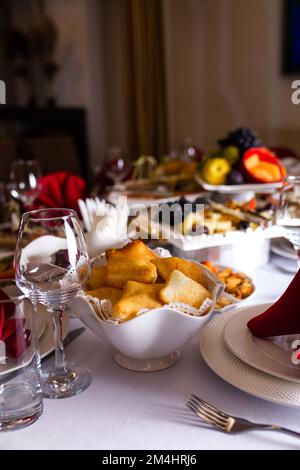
{"x":126,"y":335}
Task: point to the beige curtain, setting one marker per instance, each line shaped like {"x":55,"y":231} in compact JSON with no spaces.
{"x":145,"y":78}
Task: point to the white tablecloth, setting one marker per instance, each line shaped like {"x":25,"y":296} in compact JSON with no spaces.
{"x":129,"y":410}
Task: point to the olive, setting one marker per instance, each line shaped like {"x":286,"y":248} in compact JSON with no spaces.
{"x":243,"y":225}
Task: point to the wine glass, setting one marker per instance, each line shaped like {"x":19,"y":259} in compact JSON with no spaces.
{"x":116,"y":167}
{"x":52,"y":263}
{"x":24,"y":181}
{"x":288,"y":212}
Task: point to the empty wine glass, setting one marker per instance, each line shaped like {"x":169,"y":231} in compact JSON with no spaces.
{"x":116,"y":167}
{"x":288,"y":212}
{"x":24,"y":181}
{"x":52,"y":263}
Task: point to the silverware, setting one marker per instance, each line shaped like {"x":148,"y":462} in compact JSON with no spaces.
{"x":224,"y":422}
{"x":68,"y":339}
{"x":240,"y":213}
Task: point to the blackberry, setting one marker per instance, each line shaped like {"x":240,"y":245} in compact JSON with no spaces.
{"x":243,"y":225}
{"x":243,"y":138}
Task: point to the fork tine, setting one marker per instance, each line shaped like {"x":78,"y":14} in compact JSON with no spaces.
{"x":202,"y":404}
{"x":209,"y":405}
{"x":200,"y":415}
{"x":210,"y":418}
{"x":213,"y":417}
{"x":193,"y":408}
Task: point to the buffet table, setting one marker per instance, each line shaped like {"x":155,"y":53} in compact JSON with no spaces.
{"x":129,"y":410}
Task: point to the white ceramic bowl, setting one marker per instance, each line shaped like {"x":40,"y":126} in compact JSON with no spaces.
{"x":150,"y":341}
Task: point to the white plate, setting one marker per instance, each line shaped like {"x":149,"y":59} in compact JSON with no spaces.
{"x":239,"y":188}
{"x":281,"y":247}
{"x":199,"y":242}
{"x":45,"y":341}
{"x":284,"y":264}
{"x":234,"y":371}
{"x":259,"y":353}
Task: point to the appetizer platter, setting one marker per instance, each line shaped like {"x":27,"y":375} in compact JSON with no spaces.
{"x":147,"y":304}
{"x":134,"y":278}
{"x":158,"y":182}
{"x":222,"y":224}
{"x":238,"y":286}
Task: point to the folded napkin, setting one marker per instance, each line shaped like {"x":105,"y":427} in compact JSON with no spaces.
{"x":106,"y":225}
{"x":14,"y":337}
{"x":283,"y":317}
{"x":61,"y":189}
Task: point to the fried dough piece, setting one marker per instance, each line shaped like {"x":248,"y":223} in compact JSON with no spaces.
{"x":246,"y":289}
{"x":135,"y":249}
{"x":136,"y":296}
{"x":119,"y":270}
{"x":180,"y":288}
{"x":166,"y":265}
{"x":232,"y":282}
{"x":223,"y":301}
{"x":96,"y":279}
{"x":110,"y":293}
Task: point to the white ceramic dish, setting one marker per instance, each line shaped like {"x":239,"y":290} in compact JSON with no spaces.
{"x":150,"y":341}
{"x":281,"y":247}
{"x":235,"y":237}
{"x":239,"y":374}
{"x":234,"y":301}
{"x":283,"y":264}
{"x":260,"y":353}
{"x":113,"y":198}
{"x":239,"y":188}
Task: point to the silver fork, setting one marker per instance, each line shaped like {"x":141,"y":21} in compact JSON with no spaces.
{"x":224,"y":422}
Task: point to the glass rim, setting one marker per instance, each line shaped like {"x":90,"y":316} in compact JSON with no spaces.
{"x":31,"y":215}
{"x":292,"y":179}
{"x":15,"y":298}
{"x":23,"y":160}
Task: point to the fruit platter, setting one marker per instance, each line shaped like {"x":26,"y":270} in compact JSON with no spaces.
{"x":240,"y":163}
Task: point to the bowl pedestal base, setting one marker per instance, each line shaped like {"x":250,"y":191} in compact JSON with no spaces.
{"x":146,"y":365}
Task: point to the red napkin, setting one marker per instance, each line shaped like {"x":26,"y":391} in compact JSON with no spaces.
{"x":283,"y":317}
{"x":61,"y":189}
{"x":12,"y":330}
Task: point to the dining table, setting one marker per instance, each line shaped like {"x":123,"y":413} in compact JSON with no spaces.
{"x":134,"y":410}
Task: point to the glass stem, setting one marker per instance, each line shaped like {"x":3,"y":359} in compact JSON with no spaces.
{"x":60,"y":360}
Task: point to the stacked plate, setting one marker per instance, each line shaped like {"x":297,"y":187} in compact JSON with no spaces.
{"x":256,"y":366}
{"x":284,"y":256}
{"x":45,"y":331}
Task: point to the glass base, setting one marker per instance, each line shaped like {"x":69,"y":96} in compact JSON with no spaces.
{"x":146,"y":365}
{"x":20,"y":406}
{"x":64,"y":385}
